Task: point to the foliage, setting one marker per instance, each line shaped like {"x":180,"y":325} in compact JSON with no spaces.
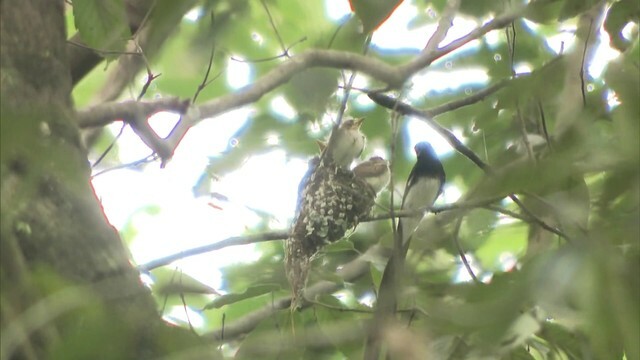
{"x":560,"y":137}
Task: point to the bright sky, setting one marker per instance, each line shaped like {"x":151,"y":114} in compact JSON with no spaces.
{"x":183,"y":221}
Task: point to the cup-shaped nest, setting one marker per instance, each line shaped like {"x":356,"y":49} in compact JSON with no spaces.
{"x":331,"y":201}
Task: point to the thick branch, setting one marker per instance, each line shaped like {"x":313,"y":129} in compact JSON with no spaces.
{"x":106,"y":113}
{"x":393,"y":76}
{"x":135,"y":114}
{"x":282,"y":74}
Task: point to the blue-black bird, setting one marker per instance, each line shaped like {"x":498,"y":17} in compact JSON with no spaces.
{"x":424,"y":185}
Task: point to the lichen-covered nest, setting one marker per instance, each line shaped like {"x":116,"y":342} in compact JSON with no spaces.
{"x":331,"y":201}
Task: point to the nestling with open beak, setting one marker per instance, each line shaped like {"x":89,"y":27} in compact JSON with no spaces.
{"x":346,"y":144}
{"x":374,"y":172}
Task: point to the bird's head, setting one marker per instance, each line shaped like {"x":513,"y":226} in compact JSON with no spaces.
{"x":424,"y":149}
{"x":352,"y":124}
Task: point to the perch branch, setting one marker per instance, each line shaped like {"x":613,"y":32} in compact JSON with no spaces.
{"x":232,"y":241}
{"x":427,"y":116}
{"x":348,"y":272}
{"x":281,"y":235}
{"x":407,"y":109}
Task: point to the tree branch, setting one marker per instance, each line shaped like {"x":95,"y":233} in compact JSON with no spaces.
{"x":348,"y":273}
{"x":104,"y":114}
{"x":136,"y":114}
{"x":232,"y":241}
{"x":393,"y":76}
{"x":445,"y":23}
{"x":283,"y":234}
{"x":427,"y":56}
{"x":426,"y":116}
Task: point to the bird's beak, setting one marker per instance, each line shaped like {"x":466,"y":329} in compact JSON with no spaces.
{"x":358,"y":122}
{"x":321,"y":145}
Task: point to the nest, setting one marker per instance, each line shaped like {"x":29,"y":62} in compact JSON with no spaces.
{"x":331,"y":201}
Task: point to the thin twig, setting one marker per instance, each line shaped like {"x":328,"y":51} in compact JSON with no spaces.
{"x":445,"y":23}
{"x":543,"y":120}
{"x":537,"y":220}
{"x":166,"y":296}
{"x":426,"y":116}
{"x":349,"y":272}
{"x":463,"y":257}
{"x":347,"y":89}
{"x":270,"y":58}
{"x":145,"y":87}
{"x":111,"y":145}
{"x":523,"y":133}
{"x":148,"y":159}
{"x":205,"y":83}
{"x":232,"y":241}
{"x":186,"y":310}
{"x":510,"y":32}
{"x":275,"y":29}
{"x":582,"y":61}
{"x":427,"y":57}
{"x":100,"y":51}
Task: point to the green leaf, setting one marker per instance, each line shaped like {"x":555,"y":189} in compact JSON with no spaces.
{"x":544,"y":11}
{"x":623,"y":77}
{"x":573,"y":8}
{"x":276,"y":327}
{"x":172,"y":282}
{"x":251,"y":292}
{"x":310,"y":90}
{"x":102,"y":24}
{"x":480,"y":8}
{"x":339,"y":246}
{"x":560,"y":338}
{"x":618,"y":16}
{"x":476,"y":228}
{"x":373,"y":13}
{"x":510,"y":239}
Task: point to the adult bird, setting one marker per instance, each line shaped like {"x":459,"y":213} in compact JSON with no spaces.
{"x":424,"y":185}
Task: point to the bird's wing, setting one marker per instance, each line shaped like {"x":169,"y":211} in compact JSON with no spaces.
{"x":422,"y":193}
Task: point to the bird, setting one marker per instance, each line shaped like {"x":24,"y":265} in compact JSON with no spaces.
{"x":424,"y":185}
{"x":374,"y":172}
{"x":346,"y":143}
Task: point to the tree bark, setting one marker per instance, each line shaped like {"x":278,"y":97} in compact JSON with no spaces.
{"x":67,"y":285}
